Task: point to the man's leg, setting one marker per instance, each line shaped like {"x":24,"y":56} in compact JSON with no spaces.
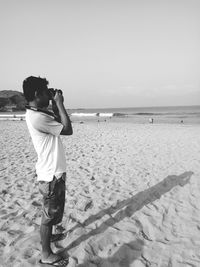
{"x":45,"y":234}
{"x":48,"y":215}
{"x":58,"y":229}
{"x":47,"y":254}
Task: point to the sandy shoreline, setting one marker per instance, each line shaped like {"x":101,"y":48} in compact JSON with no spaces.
{"x":133,"y":194}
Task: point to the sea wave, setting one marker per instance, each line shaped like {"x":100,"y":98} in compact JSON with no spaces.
{"x":124,"y":114}
{"x":118,"y":114}
{"x":105,"y":114}
{"x":78,"y":114}
{"x":146,"y":113}
{"x":99,"y":114}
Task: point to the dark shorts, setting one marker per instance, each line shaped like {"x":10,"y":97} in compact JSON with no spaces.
{"x":53,"y":200}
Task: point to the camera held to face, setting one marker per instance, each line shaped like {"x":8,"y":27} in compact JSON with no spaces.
{"x":52,"y":92}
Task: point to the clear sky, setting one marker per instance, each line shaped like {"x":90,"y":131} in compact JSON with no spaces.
{"x":104,"y":53}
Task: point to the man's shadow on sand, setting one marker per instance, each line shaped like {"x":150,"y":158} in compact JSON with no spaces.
{"x":124,"y":256}
{"x":126,"y":208}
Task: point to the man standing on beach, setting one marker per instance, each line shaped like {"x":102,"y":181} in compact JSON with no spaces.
{"x":45,"y":129}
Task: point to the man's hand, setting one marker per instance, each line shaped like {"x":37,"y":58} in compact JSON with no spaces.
{"x":55,"y":110}
{"x":58,"y":98}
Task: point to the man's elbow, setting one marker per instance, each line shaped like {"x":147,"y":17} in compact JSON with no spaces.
{"x":70,"y":131}
{"x":67,"y":131}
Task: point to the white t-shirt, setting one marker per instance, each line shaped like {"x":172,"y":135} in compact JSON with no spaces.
{"x":45,"y":134}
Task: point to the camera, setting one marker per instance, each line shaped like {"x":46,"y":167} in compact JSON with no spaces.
{"x":52,"y":92}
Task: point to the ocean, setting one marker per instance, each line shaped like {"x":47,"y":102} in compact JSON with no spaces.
{"x":173,"y":114}
{"x":170,"y":114}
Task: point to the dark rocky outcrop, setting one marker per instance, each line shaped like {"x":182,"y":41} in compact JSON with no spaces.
{"x":12,"y":101}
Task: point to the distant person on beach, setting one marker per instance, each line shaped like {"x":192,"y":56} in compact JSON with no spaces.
{"x":45,"y":129}
{"x":151,"y":120}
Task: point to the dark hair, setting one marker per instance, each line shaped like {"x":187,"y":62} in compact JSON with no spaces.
{"x":33,"y":84}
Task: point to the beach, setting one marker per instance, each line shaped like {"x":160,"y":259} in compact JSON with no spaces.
{"x":133,"y":194}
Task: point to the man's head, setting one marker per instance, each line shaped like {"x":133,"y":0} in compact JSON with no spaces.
{"x":36,"y":91}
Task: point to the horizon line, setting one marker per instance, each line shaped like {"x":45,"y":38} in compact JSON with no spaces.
{"x":136,"y":107}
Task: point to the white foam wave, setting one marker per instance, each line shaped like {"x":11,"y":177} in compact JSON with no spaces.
{"x":84,"y":114}
{"x":105,"y":114}
{"x":12,"y":115}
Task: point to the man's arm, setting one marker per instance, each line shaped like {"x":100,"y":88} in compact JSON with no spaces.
{"x":64,"y":117}
{"x":56,"y":111}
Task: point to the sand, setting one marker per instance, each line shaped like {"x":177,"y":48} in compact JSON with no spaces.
{"x":133,"y":196}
